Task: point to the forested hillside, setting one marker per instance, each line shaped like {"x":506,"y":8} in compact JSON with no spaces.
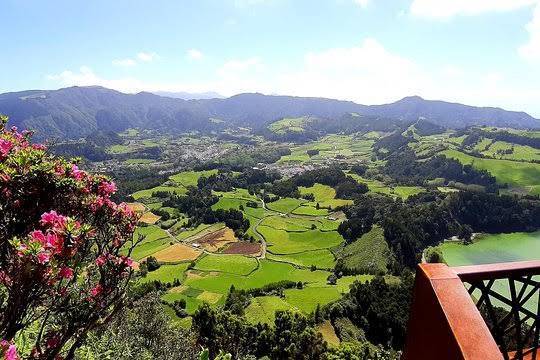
{"x":75,"y":112}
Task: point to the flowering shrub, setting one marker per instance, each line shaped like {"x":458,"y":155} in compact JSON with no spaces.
{"x":64,"y":249}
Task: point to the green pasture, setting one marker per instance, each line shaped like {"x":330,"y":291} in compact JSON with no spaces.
{"x":155,"y":239}
{"x":322,"y":259}
{"x":514,"y":173}
{"x":324,"y":195}
{"x":283,"y":242}
{"x":263,"y":309}
{"x":147,"y":193}
{"x":268,"y":272}
{"x":285,"y":205}
{"x":233,"y":264}
{"x":167,"y":273}
{"x":190,"y":178}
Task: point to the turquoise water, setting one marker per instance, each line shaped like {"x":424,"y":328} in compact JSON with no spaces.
{"x":493,"y":248}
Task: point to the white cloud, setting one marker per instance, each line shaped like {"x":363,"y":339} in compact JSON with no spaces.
{"x":531,"y":50}
{"x":124,"y":62}
{"x":367,"y":73}
{"x":86,"y":77}
{"x":195,"y":54}
{"x":362,"y":3}
{"x":444,"y":9}
{"x":147,"y":57}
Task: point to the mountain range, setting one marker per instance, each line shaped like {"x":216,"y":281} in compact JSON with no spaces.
{"x":75,"y":112}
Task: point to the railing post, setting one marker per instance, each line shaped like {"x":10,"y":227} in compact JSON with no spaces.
{"x":444,"y":322}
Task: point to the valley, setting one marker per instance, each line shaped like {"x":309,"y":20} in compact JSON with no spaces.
{"x":291,"y":254}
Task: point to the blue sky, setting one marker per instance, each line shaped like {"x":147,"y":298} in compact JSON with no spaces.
{"x":480,"y":52}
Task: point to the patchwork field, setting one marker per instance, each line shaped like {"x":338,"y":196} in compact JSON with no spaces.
{"x":289,"y":239}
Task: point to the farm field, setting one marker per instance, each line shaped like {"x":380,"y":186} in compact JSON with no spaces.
{"x":396,"y":191}
{"x":514,"y":173}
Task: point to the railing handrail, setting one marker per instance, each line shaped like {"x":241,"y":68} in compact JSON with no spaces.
{"x":445,"y":323}
{"x":497,"y":271}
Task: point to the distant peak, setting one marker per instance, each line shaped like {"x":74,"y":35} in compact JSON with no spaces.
{"x":412,"y":98}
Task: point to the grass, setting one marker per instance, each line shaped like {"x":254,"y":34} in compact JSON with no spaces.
{"x":263,"y":309}
{"x":283,"y":242}
{"x":268,"y":272}
{"x":155,"y":239}
{"x":233,"y":264}
{"x":286,"y":125}
{"x":190,"y":178}
{"x":369,"y":252}
{"x":310,"y":210}
{"x":287,"y":223}
{"x":307,"y":299}
{"x":285,"y":205}
{"x":192,"y":303}
{"x":198,"y":231}
{"x":324,"y":195}
{"x":322,"y":259}
{"x":167,"y":273}
{"x":119,"y":149}
{"x":514,"y":173}
{"x":379,"y":187}
{"x":147,"y":193}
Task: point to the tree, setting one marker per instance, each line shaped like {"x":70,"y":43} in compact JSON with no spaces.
{"x":152,"y":264}
{"x":64,"y":248}
{"x":141,"y":331}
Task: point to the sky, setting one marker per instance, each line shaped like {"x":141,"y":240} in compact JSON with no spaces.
{"x":478,"y":52}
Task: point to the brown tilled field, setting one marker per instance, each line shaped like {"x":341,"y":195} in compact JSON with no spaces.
{"x":137,"y":207}
{"x":177,"y":252}
{"x":216,"y":240}
{"x":149,"y":218}
{"x":243,"y":248}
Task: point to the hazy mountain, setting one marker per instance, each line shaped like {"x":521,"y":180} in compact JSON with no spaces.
{"x":190,"y":96}
{"x":78,"y":111}
{"x":452,"y":115}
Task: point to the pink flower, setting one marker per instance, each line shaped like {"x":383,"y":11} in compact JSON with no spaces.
{"x":66,"y":273}
{"x":77,"y":174}
{"x":38,"y":236}
{"x":43,"y":257}
{"x":5,"y":147}
{"x":11,"y":353}
{"x":39,"y":147}
{"x":53,"y":219}
{"x":101,"y":260}
{"x":59,"y":170}
{"x":96,"y":290}
{"x":128,"y":261}
{"x":107,"y":188}
{"x":5,"y":177}
{"x":5,"y":279}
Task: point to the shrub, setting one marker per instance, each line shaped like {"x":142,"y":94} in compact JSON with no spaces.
{"x":65,"y":247}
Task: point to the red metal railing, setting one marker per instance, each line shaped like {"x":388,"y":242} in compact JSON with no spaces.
{"x":483,"y":320}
